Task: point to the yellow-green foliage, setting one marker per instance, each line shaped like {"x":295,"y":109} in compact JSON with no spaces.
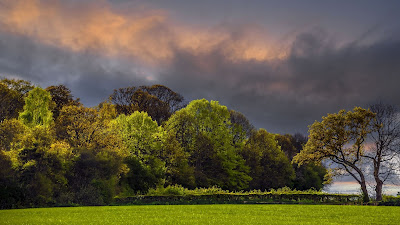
{"x":140,"y":134}
{"x":37,"y":108}
{"x":339,"y":135}
{"x":178,"y":190}
{"x":203,"y":130}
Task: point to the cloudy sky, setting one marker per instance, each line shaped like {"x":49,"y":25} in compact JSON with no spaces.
{"x":284,"y":64}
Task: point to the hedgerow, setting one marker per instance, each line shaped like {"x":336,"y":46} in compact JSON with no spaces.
{"x":177,"y":194}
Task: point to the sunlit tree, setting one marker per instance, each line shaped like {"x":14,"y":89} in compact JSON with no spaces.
{"x":340,"y":138}
{"x":203,"y":129}
{"x":143,"y":139}
{"x":37,"y":108}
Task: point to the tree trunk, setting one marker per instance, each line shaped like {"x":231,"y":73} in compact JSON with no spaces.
{"x":379,"y":182}
{"x":378,"y":189}
{"x":364,"y":191}
{"x":362,"y":182}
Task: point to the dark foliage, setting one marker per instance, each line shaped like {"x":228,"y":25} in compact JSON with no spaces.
{"x":158,"y":101}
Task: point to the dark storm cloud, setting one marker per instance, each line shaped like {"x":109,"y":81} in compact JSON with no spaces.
{"x":90,"y":77}
{"x":317,"y":77}
{"x":280,"y":87}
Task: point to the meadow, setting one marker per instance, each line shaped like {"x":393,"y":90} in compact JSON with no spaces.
{"x":205,"y":214}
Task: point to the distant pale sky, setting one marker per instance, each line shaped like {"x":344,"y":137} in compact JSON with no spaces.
{"x":284,"y":64}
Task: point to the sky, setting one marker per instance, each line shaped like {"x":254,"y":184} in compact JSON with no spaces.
{"x":283,"y":64}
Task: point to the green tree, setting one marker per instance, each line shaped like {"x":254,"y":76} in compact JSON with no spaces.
{"x":141,"y":135}
{"x":41,"y":172}
{"x":340,"y":139}
{"x":37,"y":108}
{"x":94,"y":176}
{"x":310,"y":175}
{"x":143,"y":138}
{"x":11,"y":193}
{"x":203,"y":129}
{"x":98,"y":153}
{"x":269,"y":166}
{"x":10,"y":132}
{"x":178,"y":170}
{"x":89,"y":128}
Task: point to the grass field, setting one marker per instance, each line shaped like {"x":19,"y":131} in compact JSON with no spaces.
{"x":205,"y":214}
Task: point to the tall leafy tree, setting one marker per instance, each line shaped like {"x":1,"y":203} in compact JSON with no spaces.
{"x":11,"y":192}
{"x":141,"y":135}
{"x":98,"y":163}
{"x":340,"y":138}
{"x":37,"y":108}
{"x":178,"y":170}
{"x":203,"y":129}
{"x":269,"y":166}
{"x":10,"y":132}
{"x":83,"y":127}
{"x":94,"y":176}
{"x":143,"y":138}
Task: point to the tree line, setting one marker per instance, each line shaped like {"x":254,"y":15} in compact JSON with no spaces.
{"x":55,"y":151}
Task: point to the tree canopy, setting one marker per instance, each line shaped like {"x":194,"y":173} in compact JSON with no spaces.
{"x":37,"y":108}
{"x":269,"y":167}
{"x":12,"y":93}
{"x":203,"y":130}
{"x":340,"y":138}
{"x":54,"y":150}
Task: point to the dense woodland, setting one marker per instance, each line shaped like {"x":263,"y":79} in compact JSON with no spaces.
{"x":55,"y":151}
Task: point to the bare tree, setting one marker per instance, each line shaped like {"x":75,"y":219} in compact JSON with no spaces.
{"x":159,"y":101}
{"x":385,"y":152}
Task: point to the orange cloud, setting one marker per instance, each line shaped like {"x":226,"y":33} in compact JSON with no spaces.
{"x":146,"y":35}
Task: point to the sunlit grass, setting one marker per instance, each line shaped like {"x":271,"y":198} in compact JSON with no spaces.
{"x":205,"y":214}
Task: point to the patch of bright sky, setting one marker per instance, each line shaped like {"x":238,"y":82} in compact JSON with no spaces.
{"x":352,"y":187}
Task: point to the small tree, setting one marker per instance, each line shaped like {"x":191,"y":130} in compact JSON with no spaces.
{"x":37,"y":108}
{"x":340,"y":139}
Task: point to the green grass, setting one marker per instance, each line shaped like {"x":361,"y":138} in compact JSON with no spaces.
{"x":205,"y":214}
